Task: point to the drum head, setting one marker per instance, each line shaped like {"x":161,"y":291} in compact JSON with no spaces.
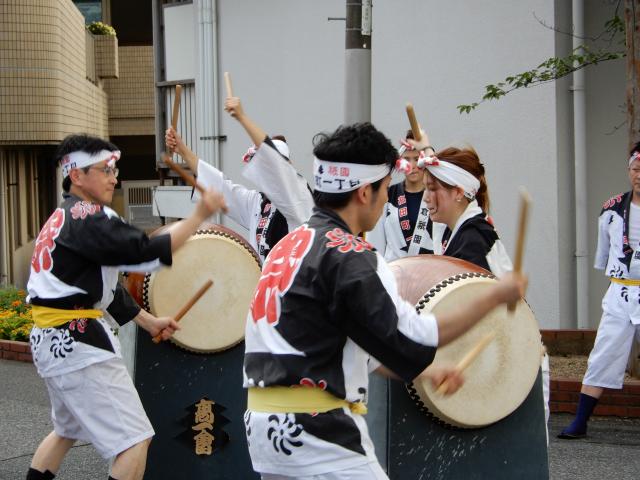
{"x":217,"y":321}
{"x":502,"y":375}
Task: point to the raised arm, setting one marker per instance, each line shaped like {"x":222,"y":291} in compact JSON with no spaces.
{"x":174,"y":142}
{"x":255,"y":132}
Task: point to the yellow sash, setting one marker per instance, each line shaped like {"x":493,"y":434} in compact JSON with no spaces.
{"x":297,"y":400}
{"x":626,"y":281}
{"x":46,"y":317}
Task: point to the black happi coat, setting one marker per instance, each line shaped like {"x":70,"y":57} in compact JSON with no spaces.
{"x":325,"y":304}
{"x":75,"y":265}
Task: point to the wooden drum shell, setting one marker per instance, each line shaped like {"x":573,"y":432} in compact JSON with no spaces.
{"x":216,"y":322}
{"x":502,"y":376}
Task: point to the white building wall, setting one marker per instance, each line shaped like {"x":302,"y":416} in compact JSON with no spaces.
{"x":607,"y":147}
{"x":287,"y":66}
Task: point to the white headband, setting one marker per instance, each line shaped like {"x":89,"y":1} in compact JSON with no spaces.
{"x":635,"y":156}
{"x":281,"y":146}
{"x":452,"y":175}
{"x":80,"y":159}
{"x":334,"y":177}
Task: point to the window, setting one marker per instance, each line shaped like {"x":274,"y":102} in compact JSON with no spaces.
{"x":91,"y":9}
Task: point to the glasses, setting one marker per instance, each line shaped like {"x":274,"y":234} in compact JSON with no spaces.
{"x":107,"y":170}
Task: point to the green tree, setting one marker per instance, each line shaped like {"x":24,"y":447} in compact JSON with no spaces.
{"x":620,"y":38}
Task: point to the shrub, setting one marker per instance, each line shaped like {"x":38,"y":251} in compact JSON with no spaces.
{"x":15,"y":315}
{"x":99,"y":28}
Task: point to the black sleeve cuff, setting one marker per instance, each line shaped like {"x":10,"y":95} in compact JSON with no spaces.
{"x":123,"y":308}
{"x":412,"y":369}
{"x":160,"y":247}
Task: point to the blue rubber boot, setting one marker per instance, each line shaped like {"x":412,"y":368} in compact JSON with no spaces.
{"x":578,"y":428}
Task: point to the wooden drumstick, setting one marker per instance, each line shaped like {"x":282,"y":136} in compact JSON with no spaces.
{"x":176,"y":109}
{"x":468,"y":359}
{"x":227,"y":82}
{"x":415,"y":127}
{"x":525,"y":202}
{"x":183,"y":174}
{"x":187,"y":306}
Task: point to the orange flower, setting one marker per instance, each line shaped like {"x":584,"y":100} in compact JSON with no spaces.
{"x":16,"y":303}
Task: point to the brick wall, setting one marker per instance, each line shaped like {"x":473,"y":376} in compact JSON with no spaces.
{"x":621,"y":403}
{"x":131,"y":96}
{"x":44,"y":92}
{"x":19,"y":351}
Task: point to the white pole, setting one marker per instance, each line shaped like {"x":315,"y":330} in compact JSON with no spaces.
{"x":580,"y":174}
{"x":207,"y":97}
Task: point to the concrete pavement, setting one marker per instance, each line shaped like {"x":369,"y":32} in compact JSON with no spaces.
{"x":611,"y":451}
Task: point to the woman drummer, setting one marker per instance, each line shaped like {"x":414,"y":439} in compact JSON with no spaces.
{"x":457,"y":195}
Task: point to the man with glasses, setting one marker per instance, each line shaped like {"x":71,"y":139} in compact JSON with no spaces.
{"x":77,"y":305}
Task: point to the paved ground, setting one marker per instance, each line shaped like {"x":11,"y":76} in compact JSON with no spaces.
{"x":611,"y":451}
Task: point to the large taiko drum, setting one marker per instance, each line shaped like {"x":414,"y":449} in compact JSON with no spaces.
{"x":502,"y":376}
{"x":216,"y":322}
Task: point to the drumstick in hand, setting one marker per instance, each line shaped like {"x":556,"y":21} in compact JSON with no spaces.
{"x":176,"y":108}
{"x":415,"y":127}
{"x":468,"y":359}
{"x":525,"y":202}
{"x":188,"y":179}
{"x":227,"y":82}
{"x":187,"y":306}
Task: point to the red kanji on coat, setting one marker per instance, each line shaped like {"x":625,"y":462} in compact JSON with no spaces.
{"x":82,"y":209}
{"x":346,"y":241}
{"x":45,"y":243}
{"x":278,"y":272}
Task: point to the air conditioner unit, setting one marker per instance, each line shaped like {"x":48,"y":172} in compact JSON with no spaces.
{"x":138,"y":203}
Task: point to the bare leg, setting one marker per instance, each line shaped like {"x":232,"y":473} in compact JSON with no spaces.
{"x":594,"y":392}
{"x":51,"y":452}
{"x":130,"y":464}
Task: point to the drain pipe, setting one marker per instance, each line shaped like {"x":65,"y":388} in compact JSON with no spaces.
{"x":4,"y":270}
{"x":580,"y":174}
{"x":207,"y":75}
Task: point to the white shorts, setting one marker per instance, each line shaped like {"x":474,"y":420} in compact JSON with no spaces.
{"x":368,"y":471}
{"x":610,"y":355}
{"x":99,"y":404}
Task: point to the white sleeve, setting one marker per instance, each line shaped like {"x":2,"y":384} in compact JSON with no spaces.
{"x":422,"y":329}
{"x":240,"y":200}
{"x":498,"y":260}
{"x":373,"y":364}
{"x":602,"y":250}
{"x":276,"y":177}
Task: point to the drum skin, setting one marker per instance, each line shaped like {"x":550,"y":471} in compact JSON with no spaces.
{"x":502,"y":376}
{"x":216,"y":322}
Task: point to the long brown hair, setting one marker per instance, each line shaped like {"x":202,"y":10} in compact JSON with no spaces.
{"x":467,"y":159}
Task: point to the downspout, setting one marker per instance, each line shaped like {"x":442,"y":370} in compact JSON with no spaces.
{"x":580,"y":174}
{"x":4,"y":272}
{"x":207,"y":75}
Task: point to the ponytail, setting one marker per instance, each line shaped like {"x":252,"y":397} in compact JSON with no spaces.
{"x":467,"y":159}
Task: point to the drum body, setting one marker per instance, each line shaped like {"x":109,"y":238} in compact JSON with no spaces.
{"x":217,"y":321}
{"x":502,"y":376}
